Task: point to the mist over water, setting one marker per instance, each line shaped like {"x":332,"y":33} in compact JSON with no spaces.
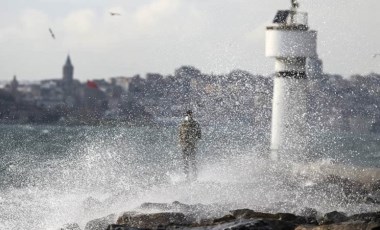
{"x":53,"y":175}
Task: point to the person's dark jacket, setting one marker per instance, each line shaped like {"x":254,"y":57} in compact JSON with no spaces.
{"x":189,"y":132}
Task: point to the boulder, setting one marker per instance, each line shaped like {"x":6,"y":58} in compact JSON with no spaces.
{"x":153,"y":220}
{"x":257,"y":225}
{"x":121,"y":227}
{"x":372,"y":225}
{"x":286,"y":216}
{"x":224,"y":219}
{"x":101,"y":223}
{"x":309,"y":214}
{"x":155,"y":206}
{"x":367,"y":217}
{"x":126,"y":217}
{"x":349,"y":225}
{"x":176,"y":206}
{"x":203,"y":222}
{"x":250,"y":214}
{"x":333,"y":217}
{"x":182,"y":207}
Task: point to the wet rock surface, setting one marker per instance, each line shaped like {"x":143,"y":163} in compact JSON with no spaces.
{"x":332,"y":217}
{"x":154,"y":220}
{"x":101,"y":223}
{"x":239,"y":219}
{"x":178,"y":215}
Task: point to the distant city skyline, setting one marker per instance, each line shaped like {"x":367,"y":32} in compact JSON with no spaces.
{"x":158,"y":36}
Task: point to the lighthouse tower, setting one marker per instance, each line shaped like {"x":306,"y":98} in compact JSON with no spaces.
{"x":291,"y":43}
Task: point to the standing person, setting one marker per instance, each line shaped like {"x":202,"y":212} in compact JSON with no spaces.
{"x":189,"y":134}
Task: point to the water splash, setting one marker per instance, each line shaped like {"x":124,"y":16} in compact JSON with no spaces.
{"x":79,"y":174}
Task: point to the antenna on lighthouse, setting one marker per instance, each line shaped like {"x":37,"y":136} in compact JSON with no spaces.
{"x":293,"y":11}
{"x":295,"y":5}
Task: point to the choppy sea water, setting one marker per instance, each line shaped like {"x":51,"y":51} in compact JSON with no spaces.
{"x":52,"y":175}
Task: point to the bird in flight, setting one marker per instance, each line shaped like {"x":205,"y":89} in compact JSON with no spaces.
{"x":114,"y":14}
{"x":51,"y":33}
{"x":375,"y":55}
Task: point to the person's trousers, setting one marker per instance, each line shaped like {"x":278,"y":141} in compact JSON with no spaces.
{"x":190,"y":164}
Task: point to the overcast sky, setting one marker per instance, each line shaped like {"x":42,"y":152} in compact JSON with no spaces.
{"x":161,"y":35}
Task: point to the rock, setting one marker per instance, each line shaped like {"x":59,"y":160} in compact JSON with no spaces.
{"x":176,"y":206}
{"x":203,"y":222}
{"x":194,"y":211}
{"x":155,"y":206}
{"x":121,"y":227}
{"x":101,"y":223}
{"x":236,"y":219}
{"x":367,"y":217}
{"x":224,"y":219}
{"x":250,"y":214}
{"x":309,"y":214}
{"x":373,"y":225}
{"x":350,"y":225}
{"x":153,"y":220}
{"x":257,"y":225}
{"x":126,"y":217}
{"x":333,"y":217}
{"x":70,"y":226}
{"x":181,"y":206}
{"x":286,"y":216}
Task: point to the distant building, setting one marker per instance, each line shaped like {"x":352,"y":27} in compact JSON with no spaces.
{"x":123,"y":82}
{"x":14,"y":85}
{"x":13,"y":88}
{"x":60,"y":92}
{"x":68,"y":71}
{"x":52,"y":94}
{"x":68,"y":78}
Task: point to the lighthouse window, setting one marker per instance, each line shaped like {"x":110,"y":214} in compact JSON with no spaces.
{"x":281,"y":16}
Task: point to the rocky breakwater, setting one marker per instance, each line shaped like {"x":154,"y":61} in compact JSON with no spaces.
{"x":177,"y":215}
{"x":236,"y":219}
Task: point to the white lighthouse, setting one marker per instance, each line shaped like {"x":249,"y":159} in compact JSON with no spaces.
{"x":291,"y":43}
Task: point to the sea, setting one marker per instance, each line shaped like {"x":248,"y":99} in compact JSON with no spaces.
{"x":54,"y":175}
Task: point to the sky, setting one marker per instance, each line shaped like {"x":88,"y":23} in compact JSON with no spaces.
{"x":158,"y":36}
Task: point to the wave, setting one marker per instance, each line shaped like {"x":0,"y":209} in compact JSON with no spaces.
{"x":92,"y":173}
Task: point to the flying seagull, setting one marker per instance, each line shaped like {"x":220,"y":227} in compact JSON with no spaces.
{"x":51,"y":33}
{"x":114,"y":14}
{"x":375,"y":55}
